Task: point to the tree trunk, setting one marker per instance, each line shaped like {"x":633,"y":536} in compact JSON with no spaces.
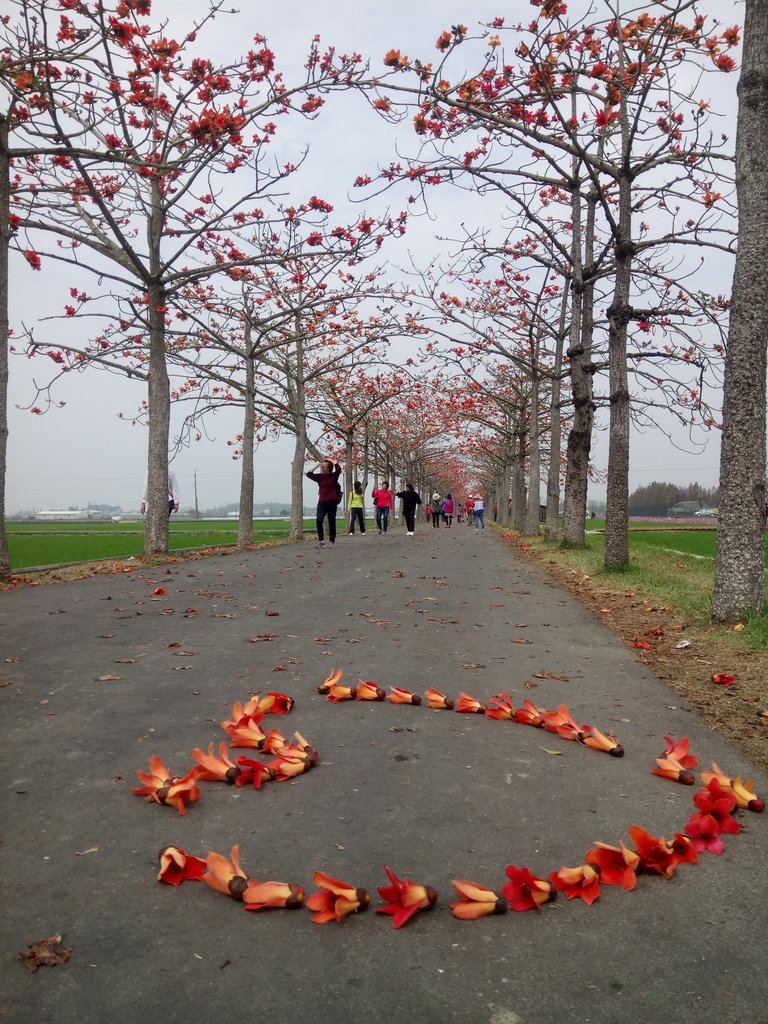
{"x":534,"y":455}
{"x":518,"y":483}
{"x":300,"y":418}
{"x":740,"y":563}
{"x":245,"y":517}
{"x":159,"y":410}
{"x":551,"y":529}
{"x":505,"y":491}
{"x":5,"y":201}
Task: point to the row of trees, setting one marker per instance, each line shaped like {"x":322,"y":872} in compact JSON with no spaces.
{"x":149,"y":168}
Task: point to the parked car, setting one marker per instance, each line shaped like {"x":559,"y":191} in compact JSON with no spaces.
{"x":706,"y":512}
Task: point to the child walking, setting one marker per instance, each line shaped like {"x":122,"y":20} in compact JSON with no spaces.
{"x":355,"y":506}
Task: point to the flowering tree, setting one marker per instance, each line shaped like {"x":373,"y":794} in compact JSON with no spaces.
{"x":740,"y":565}
{"x":597,"y":115}
{"x":150,"y":138}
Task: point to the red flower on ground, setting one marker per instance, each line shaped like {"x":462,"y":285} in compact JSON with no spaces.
{"x":704,"y":832}
{"x":466,"y":703}
{"x":213,"y":768}
{"x":246,"y":733}
{"x":581,"y":883}
{"x":272,"y":895}
{"x":616,"y":865}
{"x":335,"y":900}
{"x":500,"y":708}
{"x":526,"y":891}
{"x":161,"y":787}
{"x":333,"y":678}
{"x":338,"y":693}
{"x":597,"y":740}
{"x":226,"y":875}
{"x":744,"y":792}
{"x":274,"y":703}
{"x":718,"y":802}
{"x":438,"y":700}
{"x":678,"y":750}
{"x":476,"y":901}
{"x":176,"y":866}
{"x":404,"y":898}
{"x":401,"y":696}
{"x":253,"y":773}
{"x":368,"y":691}
{"x":657,"y":856}
{"x":529,"y":714}
{"x":723,"y":679}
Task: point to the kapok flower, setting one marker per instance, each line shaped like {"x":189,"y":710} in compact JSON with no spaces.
{"x":597,"y":740}
{"x":561,"y":722}
{"x":476,"y":901}
{"x":667,"y":768}
{"x":581,"y":883}
{"x":246,"y":733}
{"x":529,"y":714}
{"x":743,"y":791}
{"x":337,"y":693}
{"x":718,"y":802}
{"x":657,"y":856}
{"x":226,"y":875}
{"x":275,"y":703}
{"x":286,"y":768}
{"x":404,"y":898}
{"x":438,"y":700}
{"x":253,"y":773}
{"x":239,"y":711}
{"x":272,"y":742}
{"x":526,"y":891}
{"x":616,"y":865}
{"x":401,"y":696}
{"x":704,"y":832}
{"x":176,"y":866}
{"x":261,"y":895}
{"x":161,"y":787}
{"x":335,"y":900}
{"x":678,"y":750}
{"x":466,"y":703}
{"x":213,"y":768}
{"x":684,"y":849}
{"x":368,"y":691}
{"x":333,"y":678}
{"x":500,"y":708}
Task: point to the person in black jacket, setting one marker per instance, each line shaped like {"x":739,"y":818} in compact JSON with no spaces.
{"x":328,"y":498}
{"x":410,"y":499}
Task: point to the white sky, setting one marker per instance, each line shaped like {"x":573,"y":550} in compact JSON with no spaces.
{"x":84,"y":453}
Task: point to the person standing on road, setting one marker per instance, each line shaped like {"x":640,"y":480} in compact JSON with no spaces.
{"x":410,"y":499}
{"x":355,"y":507}
{"x":437,"y":510}
{"x":469,"y":506}
{"x":478,"y":512}
{"x":173,"y":494}
{"x":328,"y":498}
{"x":384,"y":503}
{"x":448,"y":509}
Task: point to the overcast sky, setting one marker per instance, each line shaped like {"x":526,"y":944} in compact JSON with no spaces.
{"x":85,"y":453}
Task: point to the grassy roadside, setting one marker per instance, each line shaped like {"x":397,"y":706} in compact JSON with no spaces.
{"x":660,"y":606}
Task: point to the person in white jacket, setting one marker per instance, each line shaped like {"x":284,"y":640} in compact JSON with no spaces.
{"x":478,"y":512}
{"x":173,"y":494}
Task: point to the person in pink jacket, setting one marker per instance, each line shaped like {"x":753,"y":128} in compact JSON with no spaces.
{"x":383,"y":503}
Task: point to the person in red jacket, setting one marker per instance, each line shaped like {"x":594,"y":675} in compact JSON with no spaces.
{"x":384,"y":503}
{"x":328,"y":498}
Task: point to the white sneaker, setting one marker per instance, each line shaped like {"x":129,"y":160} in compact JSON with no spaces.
{"x":410,"y":533}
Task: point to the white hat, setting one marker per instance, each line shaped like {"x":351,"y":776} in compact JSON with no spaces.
{"x":435,"y":496}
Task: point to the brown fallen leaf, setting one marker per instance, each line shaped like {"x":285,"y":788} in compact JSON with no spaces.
{"x":175,"y":644}
{"x":107,"y":678}
{"x":521,"y":640}
{"x":555,"y":753}
{"x":123,"y":661}
{"x":166,"y":611}
{"x":323,"y":639}
{"x":179,"y":668}
{"x":45,"y":953}
{"x":529,"y":685}
{"x":185,"y":654}
{"x":280,"y":668}
{"x":551,"y":675}
{"x":260,"y":637}
{"x":472,"y":665}
{"x":104,"y":636}
{"x":11,"y":661}
{"x":271,"y":614}
{"x":6,"y":682}
{"x":84,"y":853}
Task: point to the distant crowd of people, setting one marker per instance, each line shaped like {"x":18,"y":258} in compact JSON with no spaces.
{"x":440,"y":509}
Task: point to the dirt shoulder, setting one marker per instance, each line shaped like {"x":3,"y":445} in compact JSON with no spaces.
{"x":685,"y":655}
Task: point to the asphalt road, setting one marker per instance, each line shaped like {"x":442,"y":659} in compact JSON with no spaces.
{"x":435,"y":795}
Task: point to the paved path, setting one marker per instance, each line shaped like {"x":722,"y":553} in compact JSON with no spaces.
{"x":435,"y":795}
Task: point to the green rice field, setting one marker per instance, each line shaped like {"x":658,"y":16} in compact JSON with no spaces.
{"x":37,"y":544}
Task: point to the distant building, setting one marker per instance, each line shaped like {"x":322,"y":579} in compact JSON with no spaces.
{"x":79,"y":513}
